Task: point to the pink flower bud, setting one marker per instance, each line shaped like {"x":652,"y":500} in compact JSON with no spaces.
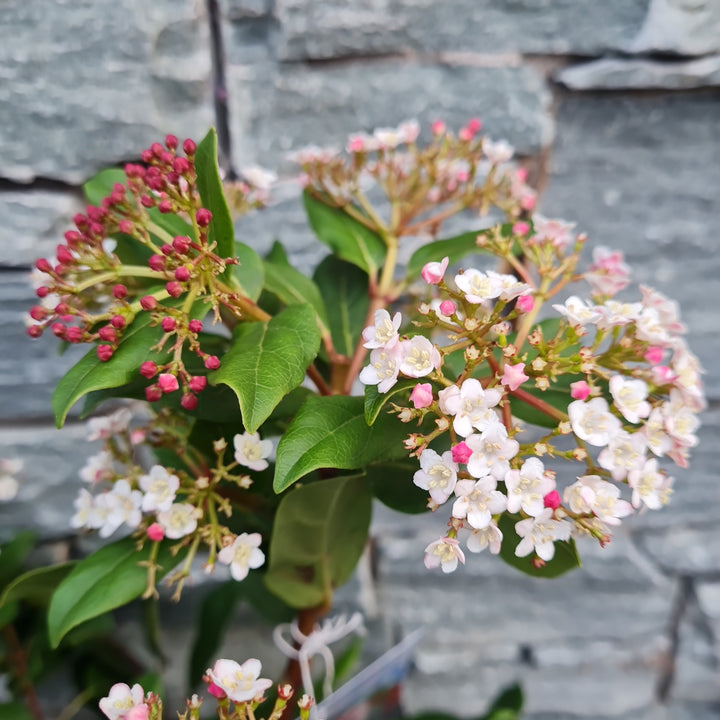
{"x":156,"y":262}
{"x":552,"y":500}
{"x":654,"y":355}
{"x":148,"y":302}
{"x":461,"y":452}
{"x":74,"y":334}
{"x":125,"y":226}
{"x":168,"y":324}
{"x":180,"y":165}
{"x":525,"y":303}
{"x":422,"y":395}
{"x":521,"y":228}
{"x":166,"y":249}
{"x":147,"y":201}
{"x":203,"y":217}
{"x":108,"y":334}
{"x":42,"y":291}
{"x":155,"y":532}
{"x":438,"y":127}
{"x":168,"y":382}
{"x":119,"y":291}
{"x":448,"y":308}
{"x":662,"y":375}
{"x":137,"y":712}
{"x":73,"y":237}
{"x":148,"y":369}
{"x":212,"y":362}
{"x":171,"y":142}
{"x":189,"y":147}
{"x":58,"y":329}
{"x":43,"y":265}
{"x":182,"y":274}
{"x":104,"y":352}
{"x":474,"y":125}
{"x":64,"y":255}
{"x":181,"y":244}
{"x":195,"y":326}
{"x":432,"y":272}
{"x":118,"y":322}
{"x":197,"y":383}
{"x":527,"y":202}
{"x":189,"y":401}
{"x":35,"y":331}
{"x":39,"y":313}
{"x":174,"y":289}
{"x":579,"y":390}
{"x":153,"y":393}
{"x":214,"y":689}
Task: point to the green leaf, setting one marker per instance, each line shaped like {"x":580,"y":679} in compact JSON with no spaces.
{"x":392,"y":484}
{"x":293,"y":288}
{"x":90,"y":374}
{"x":209,"y":184}
{"x":268,"y":360}
{"x":565,"y":559}
{"x":508,"y":705}
{"x":103,"y":581}
{"x":319,"y":534}
{"x":559,"y":399}
{"x":344,"y":289}
{"x":13,"y":554}
{"x":15,"y":711}
{"x":346,"y":237}
{"x":331,"y":432}
{"x":375,"y":401}
{"x":100,"y":186}
{"x":250,"y":273}
{"x":36,"y":586}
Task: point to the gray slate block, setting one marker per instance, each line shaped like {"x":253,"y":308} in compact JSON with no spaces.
{"x":335,"y":28}
{"x":89,"y":83}
{"x":639,"y":74}
{"x":639,"y":174}
{"x":29,"y":368}
{"x":683,"y":27}
{"x":279,"y":108}
{"x":33,"y":224}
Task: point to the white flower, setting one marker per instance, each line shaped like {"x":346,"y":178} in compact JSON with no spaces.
{"x":119,"y":505}
{"x":539,"y":534}
{"x":120,"y":699}
{"x":657,"y":438}
{"x":511,"y":287}
{"x":479,"y":286}
{"x":9,"y":486}
{"x":101,"y":428}
{"x":258,"y":177}
{"x":160,"y":488}
{"x":592,"y":494}
{"x":251,"y":451}
{"x":419,"y":357}
{"x":97,"y":468}
{"x":592,"y":421}
{"x":649,"y":327}
{"x":390,"y":138}
{"x":557,"y":233}
{"x":471,"y":405}
{"x":630,"y":397}
{"x":383,"y":331}
{"x":445,"y":554}
{"x":624,"y":452}
{"x":608,"y":273}
{"x":438,"y":475}
{"x":651,"y":487}
{"x":179,"y":520}
{"x":491,"y":452}
{"x":527,"y":487}
{"x":614,"y":313}
{"x":478,"y":501}
{"x":497,"y":152}
{"x":243,"y":555}
{"x":577,"y":312}
{"x":85,"y":510}
{"x":481,"y":538}
{"x":681,"y":422}
{"x":383,"y":368}
{"x":688,"y":370}
{"x":667,"y":310}
{"x":241,"y":683}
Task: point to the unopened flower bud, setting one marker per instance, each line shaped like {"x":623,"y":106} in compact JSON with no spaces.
{"x":654,"y":355}
{"x":461,"y":452}
{"x":104,"y":352}
{"x":181,"y":244}
{"x":195,"y":326}
{"x":579,"y":390}
{"x":43,"y":265}
{"x":148,"y":302}
{"x":448,"y":308}
{"x":119,"y":291}
{"x":180,"y":165}
{"x":64,"y":255}
{"x":38,"y":313}
{"x":118,"y":322}
{"x":171,"y":142}
{"x":156,"y":262}
{"x":182,"y":274}
{"x":147,"y":201}
{"x":74,"y":334}
{"x":58,"y":329}
{"x":35,"y":331}
{"x":203,"y":217}
{"x":422,"y":395}
{"x":166,"y":249}
{"x":174,"y":289}
{"x":189,"y":401}
{"x":168,"y":382}
{"x":165,"y":206}
{"x":521,"y":228}
{"x":552,"y":500}
{"x":212,"y":362}
{"x":155,"y":532}
{"x":148,"y":369}
{"x":189,"y":147}
{"x":433,"y":272}
{"x":525,"y":303}
{"x":168,"y":324}
{"x":197,"y":384}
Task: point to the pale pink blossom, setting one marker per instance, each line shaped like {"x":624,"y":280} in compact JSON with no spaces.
{"x":121,"y":699}
{"x":655,"y":432}
{"x":179,"y":520}
{"x":514,"y":376}
{"x":361,"y":143}
{"x":159,"y":487}
{"x":383,"y":368}
{"x":688,"y":371}
{"x":654,"y":355}
{"x":101,"y":428}
{"x":421,"y":396}
{"x":124,"y":505}
{"x":497,"y":152}
{"x":259,"y":177}
{"x":624,"y":452}
{"x":667,"y":310}
{"x":241,"y":683}
{"x":510,"y":286}
{"x":592,"y":421}
{"x":251,"y":451}
{"x":539,"y":533}
{"x":557,"y":233}
{"x":84,"y":516}
{"x":649,"y":327}
{"x":419,"y":357}
{"x":478,"y":501}
{"x":479,"y":286}
{"x":384,"y":330}
{"x":681,"y":421}
{"x":651,"y":487}
{"x":445,"y":554}
{"x":525,"y":303}
{"x":471,"y":405}
{"x":630,"y":396}
{"x":433,"y":272}
{"x":578,"y":313}
{"x":608,"y":274}
{"x":390,"y":138}
{"x":579,"y":390}
{"x":312,"y":154}
{"x":97,"y":468}
{"x":614,"y":313}
{"x":489,"y":536}
{"x":492,"y":451}
{"x":243,"y":555}
{"x":437,"y":474}
{"x":593,"y":495}
{"x":527,"y":487}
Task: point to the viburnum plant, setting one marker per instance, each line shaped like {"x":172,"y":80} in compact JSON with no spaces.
{"x":270,"y":407}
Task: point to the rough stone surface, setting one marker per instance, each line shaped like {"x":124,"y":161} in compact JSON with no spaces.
{"x":29,"y":369}
{"x":244,"y":9}
{"x":33,"y":224}
{"x":95,"y":82}
{"x":335,"y":28}
{"x":683,"y":27}
{"x":638,"y":174}
{"x":277,"y":109}
{"x":617,"y":74}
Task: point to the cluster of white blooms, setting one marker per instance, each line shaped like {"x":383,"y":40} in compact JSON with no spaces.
{"x":9,"y":486}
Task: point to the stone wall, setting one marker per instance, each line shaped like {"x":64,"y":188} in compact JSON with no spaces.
{"x":616,"y":106}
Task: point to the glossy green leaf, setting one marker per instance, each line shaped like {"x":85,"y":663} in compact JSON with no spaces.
{"x":331,"y":432}
{"x":565,"y":559}
{"x":209,"y":184}
{"x":392,"y":484}
{"x":250,"y":273}
{"x":507,"y":705}
{"x":101,"y":185}
{"x":559,"y":399}
{"x":90,"y":374}
{"x":35,"y":586}
{"x":375,"y":401}
{"x":319,"y":534}
{"x":268,"y":360}
{"x":344,"y":288}
{"x":13,"y":554}
{"x":294,"y":288}
{"x":103,"y":581}
{"x":346,"y":237}
{"x":15,"y":711}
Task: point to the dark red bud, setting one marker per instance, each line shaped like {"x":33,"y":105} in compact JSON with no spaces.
{"x":96,"y":229}
{"x":134,"y":171}
{"x":189,"y":147}
{"x":165,"y":206}
{"x":38,"y":313}
{"x":195,"y":326}
{"x":174,"y":289}
{"x":212,"y":362}
{"x":166,"y":249}
{"x":182,"y":274}
{"x":62,"y":308}
{"x":147,"y":201}
{"x":153,"y":393}
{"x":104,"y":352}
{"x":168,"y":324}
{"x":180,"y":165}
{"x":96,"y":214}
{"x":42,"y":291}
{"x":35,"y":331}
{"x":148,"y":302}
{"x":146,"y":156}
{"x":119,"y":291}
{"x":157,"y":149}
{"x":125,"y":226}
{"x":148,"y":369}
{"x":81,"y":221}
{"x":74,"y":334}
{"x":189,"y":401}
{"x":64,"y":255}
{"x":167,"y":157}
{"x":43,"y":265}
{"x":156,"y":262}
{"x":72,"y":237}
{"x":58,"y":329}
{"x":108,"y":334}
{"x":198,"y":383}
{"x":203,"y":217}
{"x":181,"y":244}
{"x":117,"y":321}
{"x":171,"y":142}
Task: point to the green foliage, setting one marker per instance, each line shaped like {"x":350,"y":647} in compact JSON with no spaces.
{"x":35,"y":586}
{"x":221,"y":230}
{"x":331,"y":432}
{"x":375,"y":401}
{"x":13,"y":554}
{"x":348,"y":238}
{"x":250,"y":272}
{"x":320,"y":532}
{"x":392,"y":484}
{"x":107,"y":579}
{"x":268,"y":360}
